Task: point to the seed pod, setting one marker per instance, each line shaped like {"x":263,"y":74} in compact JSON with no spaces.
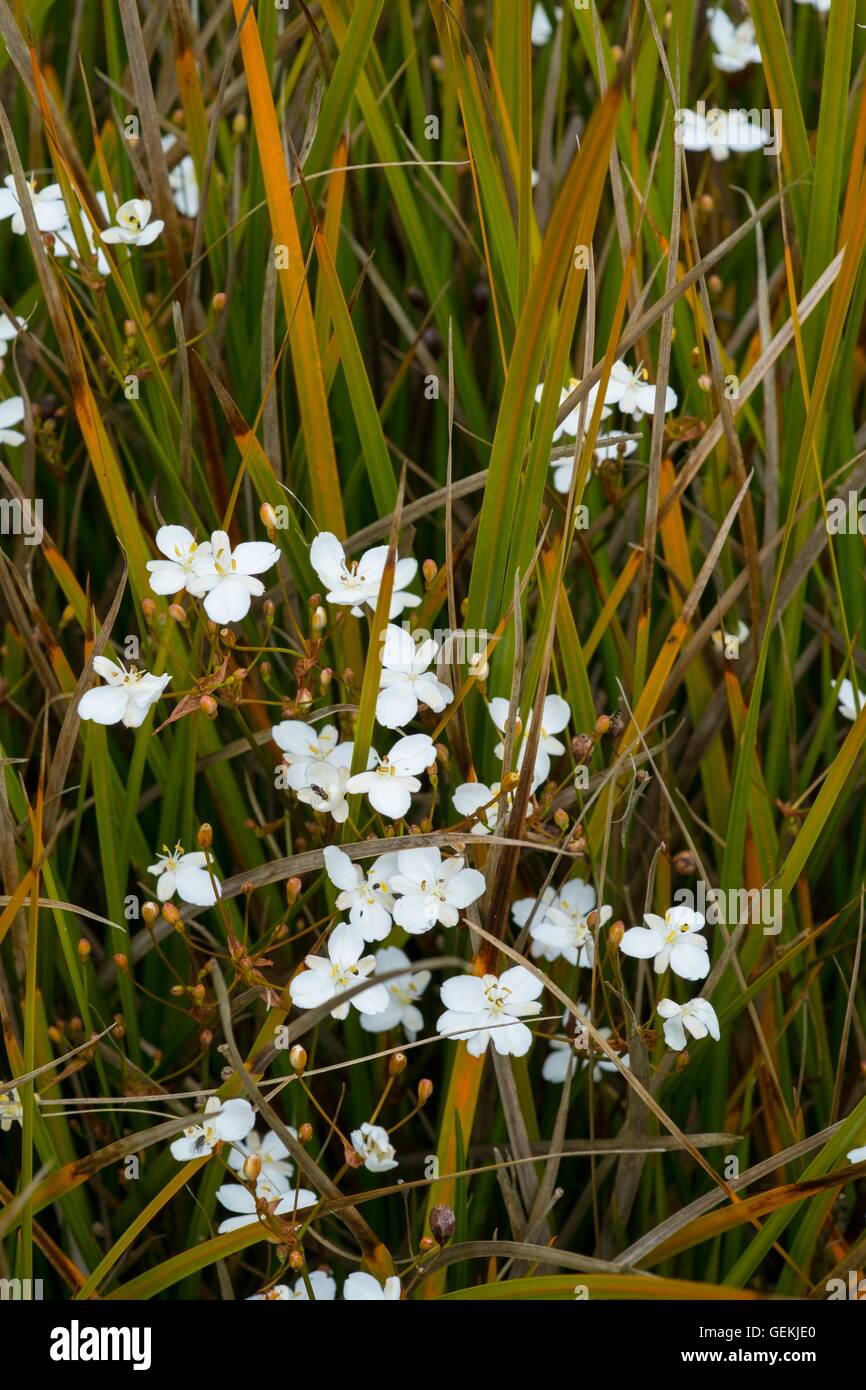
{"x":397,"y":1064}
{"x":443,"y":1225}
{"x":208,"y":706}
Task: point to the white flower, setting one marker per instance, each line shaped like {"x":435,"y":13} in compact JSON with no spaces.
{"x":11,"y":413}
{"x":406,"y":680}
{"x":721,"y":636}
{"x":184,"y":552}
{"x":720,"y":132}
{"x":49,"y":208}
{"x":389,"y":784}
{"x":697,"y":1017}
{"x":853,"y":1156}
{"x":671,"y":940}
{"x":432,"y":889}
{"x":272,"y":1154}
{"x":225,"y":576}
{"x":239,"y":1199}
{"x":361,"y":1287}
{"x":561,"y":928}
{"x":607,"y":446}
{"x":571,"y":423}
{"x":555,"y":1068}
{"x":735,"y":44}
{"x":9,"y":329}
{"x":367,"y":897}
{"x":125,"y":699}
{"x":403,"y":991}
{"x":542,"y":29}
{"x":554,"y":718}
{"x":469,"y":798}
{"x":301,"y":743}
{"x":326,"y":979}
{"x":133,"y":226}
{"x":371,"y":1143}
{"x":358,"y":582}
{"x":11,"y":1109}
{"x":183,"y":183}
{"x":186,"y":875}
{"x":479,"y":1008}
{"x":324,"y":1290}
{"x":633,"y":394}
{"x":322,"y":785}
{"x":223,"y":1120}
{"x":850,"y":702}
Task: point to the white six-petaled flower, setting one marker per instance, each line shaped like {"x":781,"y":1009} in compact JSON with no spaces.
{"x":481,"y":1008}
{"x":734,"y":43}
{"x":226,"y":577}
{"x":324,"y":1290}
{"x":406,"y":680}
{"x":389,"y":784}
{"x":49,"y":209}
{"x":327,"y":978}
{"x":301,"y":743}
{"x":371,"y":1143}
{"x":361,"y":1287}
{"x":697,"y":1017}
{"x":227,"y":1120}
{"x":630,"y":391}
{"x":403,"y":992}
{"x":555,"y":715}
{"x":354,"y":583}
{"x":432,"y":890}
{"x":239,"y":1200}
{"x":183,"y":554}
{"x":560,"y":927}
{"x":125,"y":698}
{"x":672,"y":940}
{"x":186,"y":875}
{"x":132,"y":225}
{"x":366,"y":897}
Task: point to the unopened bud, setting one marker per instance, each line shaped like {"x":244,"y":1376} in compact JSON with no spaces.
{"x":252,"y":1167}
{"x":397,"y":1064}
{"x":205,"y":1037}
{"x":616,"y":933}
{"x":425,"y":1090}
{"x":268,"y":516}
{"x":150,"y":912}
{"x":219,"y":301}
{"x":296,"y":1261}
{"x":179,"y":613}
{"x":425,"y":1244}
{"x":208,"y":706}
{"x":305,"y":1133}
{"x":120,"y":960}
{"x":443,"y":1225}
{"x":171,"y":915}
{"x":268,"y":611}
{"x":349,"y":677}
{"x":293,"y":890}
{"x":148,"y":608}
{"x":298,"y":1058}
{"x":602,"y":724}
{"x":429,"y":569}
{"x":204,"y":838}
{"x":325,"y":677}
{"x":319,"y":619}
{"x":227,"y":637}
{"x":705,"y":382}
{"x":84,"y":948}
{"x":560,"y":818}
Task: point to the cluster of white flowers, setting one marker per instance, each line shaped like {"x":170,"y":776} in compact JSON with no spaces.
{"x":132,"y":224}
{"x":560,"y":925}
{"x":630,"y":391}
{"x":415,"y":887}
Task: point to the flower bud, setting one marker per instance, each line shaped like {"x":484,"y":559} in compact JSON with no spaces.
{"x":298,"y":1058}
{"x":305,"y":1133}
{"x":425,"y":1090}
{"x":148,"y":608}
{"x":219,"y":301}
{"x":429,"y":569}
{"x":252,"y":1167}
{"x":171,"y":915}
{"x":120,"y":960}
{"x":616,"y":933}
{"x":443,"y":1224}
{"x":602,"y":724}
{"x":349,"y":677}
{"x":268,"y":611}
{"x":227,"y":637}
{"x":425,"y":1244}
{"x":326,"y":675}
{"x":239,"y":123}
{"x":179,"y":614}
{"x":268,"y":516}
{"x":319,"y":619}
{"x":204,"y":838}
{"x":293,"y":891}
{"x":85,"y":948}
{"x":705,"y":382}
{"x":581,"y":747}
{"x":296,"y":1261}
{"x":208,"y":706}
{"x":150,"y":912}
{"x":560,"y":818}
{"x":397,"y":1064}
